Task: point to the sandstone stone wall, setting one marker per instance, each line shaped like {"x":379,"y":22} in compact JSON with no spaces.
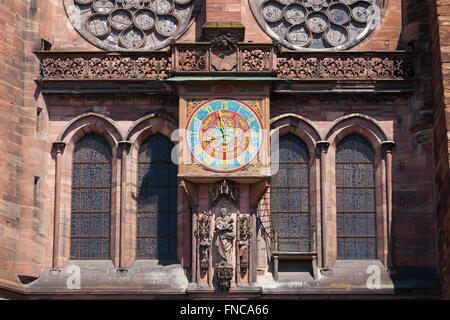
{"x":440,"y":48}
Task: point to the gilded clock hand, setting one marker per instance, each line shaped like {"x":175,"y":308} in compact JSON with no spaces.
{"x":222,"y":125}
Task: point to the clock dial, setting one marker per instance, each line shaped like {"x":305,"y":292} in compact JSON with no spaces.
{"x":224,"y":135}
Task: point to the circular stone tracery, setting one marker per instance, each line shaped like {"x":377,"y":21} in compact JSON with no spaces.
{"x":318,"y":24}
{"x":130,"y":24}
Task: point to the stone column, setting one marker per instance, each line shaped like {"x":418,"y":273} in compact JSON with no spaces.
{"x":322,"y":147}
{"x":253,"y":248}
{"x":194,"y":263}
{"x":59,"y":148}
{"x":388,"y":146}
{"x":124,"y":147}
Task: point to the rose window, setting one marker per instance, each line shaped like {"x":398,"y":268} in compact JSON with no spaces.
{"x":130,"y":24}
{"x":318,"y":24}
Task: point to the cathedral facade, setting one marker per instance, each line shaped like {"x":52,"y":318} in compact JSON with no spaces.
{"x":224,"y":148}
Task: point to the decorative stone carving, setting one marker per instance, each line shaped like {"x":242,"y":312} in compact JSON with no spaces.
{"x":194,"y":58}
{"x":190,"y":59}
{"x":255,"y":60}
{"x":100,"y":66}
{"x":224,"y":274}
{"x":234,"y":30}
{"x":224,"y":55}
{"x":224,"y":188}
{"x":130,"y":24}
{"x":204,"y":241}
{"x":314,"y":66}
{"x":224,"y":237}
{"x":318,"y":24}
{"x":244,"y":241}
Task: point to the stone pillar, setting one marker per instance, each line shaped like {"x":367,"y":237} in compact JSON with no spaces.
{"x":125,"y":148}
{"x":194,"y":245}
{"x":388,"y":146}
{"x":322,"y":147}
{"x":59,"y":148}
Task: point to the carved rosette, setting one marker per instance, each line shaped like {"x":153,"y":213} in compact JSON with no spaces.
{"x":244,"y":241}
{"x":318,"y":24}
{"x":224,"y":274}
{"x":203,"y":235}
{"x":130,"y":24}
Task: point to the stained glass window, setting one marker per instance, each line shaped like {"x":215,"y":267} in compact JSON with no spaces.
{"x":289,"y":196}
{"x":355,"y":199}
{"x":91,"y":199}
{"x":157,"y":200}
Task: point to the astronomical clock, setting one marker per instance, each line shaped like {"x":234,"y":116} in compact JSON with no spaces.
{"x":225,"y":135}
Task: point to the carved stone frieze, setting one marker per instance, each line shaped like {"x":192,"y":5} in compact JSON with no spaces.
{"x":244,"y":241}
{"x":101,"y":66}
{"x":190,"y":59}
{"x":227,"y":56}
{"x":255,"y":59}
{"x":345,"y":66}
{"x":203,"y":234}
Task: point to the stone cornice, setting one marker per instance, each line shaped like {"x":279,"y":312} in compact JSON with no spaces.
{"x":227,"y":58}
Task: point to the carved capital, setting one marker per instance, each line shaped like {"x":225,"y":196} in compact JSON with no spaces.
{"x":125,"y":146}
{"x":388,"y":146}
{"x":59,"y":146}
{"x":322,"y":146}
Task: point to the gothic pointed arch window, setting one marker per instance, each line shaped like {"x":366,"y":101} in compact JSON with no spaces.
{"x":157,"y":200}
{"x":91,"y":199}
{"x":355,"y":199}
{"x":289,"y":196}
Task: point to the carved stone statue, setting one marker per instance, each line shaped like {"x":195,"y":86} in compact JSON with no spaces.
{"x":224,"y":237}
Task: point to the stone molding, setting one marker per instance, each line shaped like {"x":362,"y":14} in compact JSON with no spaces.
{"x":226,"y":57}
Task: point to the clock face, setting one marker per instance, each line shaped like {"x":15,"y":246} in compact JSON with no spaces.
{"x":224,"y":135}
